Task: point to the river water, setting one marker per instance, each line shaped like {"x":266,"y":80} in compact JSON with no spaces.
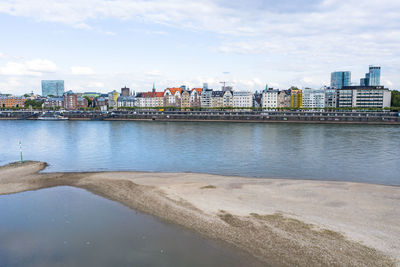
{"x":360,"y":153}
{"x":66,"y":226}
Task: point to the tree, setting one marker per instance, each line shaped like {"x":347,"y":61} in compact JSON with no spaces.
{"x":34,"y":103}
{"x":90,"y":101}
{"x":395,"y":98}
{"x":27,"y":95}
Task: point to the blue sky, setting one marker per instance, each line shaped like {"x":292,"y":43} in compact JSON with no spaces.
{"x":102,"y":45}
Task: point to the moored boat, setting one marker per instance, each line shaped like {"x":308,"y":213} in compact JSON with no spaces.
{"x":52,"y":117}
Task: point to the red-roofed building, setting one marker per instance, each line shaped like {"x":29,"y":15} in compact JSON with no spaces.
{"x":195,"y":97}
{"x":172,"y":97}
{"x":150,"y":99}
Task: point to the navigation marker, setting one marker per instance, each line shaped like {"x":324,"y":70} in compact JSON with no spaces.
{"x":20,"y":150}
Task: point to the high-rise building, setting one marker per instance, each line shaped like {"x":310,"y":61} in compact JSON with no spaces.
{"x":372,"y":78}
{"x":340,"y":79}
{"x":52,"y":87}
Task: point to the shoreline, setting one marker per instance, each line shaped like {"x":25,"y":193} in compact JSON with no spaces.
{"x":234,"y":121}
{"x":278,"y":221}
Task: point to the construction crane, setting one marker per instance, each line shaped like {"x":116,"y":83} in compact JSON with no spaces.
{"x":224,"y":87}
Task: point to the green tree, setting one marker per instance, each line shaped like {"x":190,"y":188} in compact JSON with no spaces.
{"x":34,"y":103}
{"x":90,"y":101}
{"x":27,"y":95}
{"x":395,"y":98}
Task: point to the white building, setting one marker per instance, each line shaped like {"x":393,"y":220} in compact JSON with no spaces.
{"x":206,"y":98}
{"x":313,"y":98}
{"x":150,"y":99}
{"x":269,"y":98}
{"x":126,"y":101}
{"x":364,"y":97}
{"x":242,"y":99}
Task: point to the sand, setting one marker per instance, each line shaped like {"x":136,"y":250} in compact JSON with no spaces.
{"x":279,"y":222}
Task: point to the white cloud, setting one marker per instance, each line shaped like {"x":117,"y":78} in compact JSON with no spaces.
{"x":34,"y":67}
{"x":310,"y":38}
{"x":79,"y":70}
{"x":95,"y":85}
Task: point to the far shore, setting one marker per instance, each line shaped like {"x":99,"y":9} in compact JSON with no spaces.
{"x":280,"y":222}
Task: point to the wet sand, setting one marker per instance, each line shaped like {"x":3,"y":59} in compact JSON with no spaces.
{"x":279,"y":222}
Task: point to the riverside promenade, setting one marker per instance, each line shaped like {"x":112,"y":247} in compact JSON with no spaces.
{"x":299,"y":116}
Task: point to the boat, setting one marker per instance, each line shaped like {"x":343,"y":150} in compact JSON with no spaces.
{"x":52,"y":117}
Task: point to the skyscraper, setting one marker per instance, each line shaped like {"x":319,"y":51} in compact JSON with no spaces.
{"x":374,"y":75}
{"x":52,"y":87}
{"x":372,"y":78}
{"x":340,"y":79}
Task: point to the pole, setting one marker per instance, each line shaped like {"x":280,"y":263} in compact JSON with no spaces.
{"x":20,"y":150}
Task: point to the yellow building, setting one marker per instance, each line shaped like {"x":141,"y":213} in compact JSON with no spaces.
{"x":185,"y":99}
{"x":296,"y":98}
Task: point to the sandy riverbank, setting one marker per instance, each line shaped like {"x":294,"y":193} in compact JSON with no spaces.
{"x":280,"y":222}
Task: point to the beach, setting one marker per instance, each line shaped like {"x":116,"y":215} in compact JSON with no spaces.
{"x":280,"y":222}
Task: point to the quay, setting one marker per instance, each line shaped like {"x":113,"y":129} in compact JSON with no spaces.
{"x":299,"y":116}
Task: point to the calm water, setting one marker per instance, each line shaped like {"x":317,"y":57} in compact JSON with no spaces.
{"x":66,"y":226}
{"x":363,"y":153}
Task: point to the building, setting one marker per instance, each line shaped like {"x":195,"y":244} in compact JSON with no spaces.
{"x":54,"y":102}
{"x":340,"y":79}
{"x":185,"y":99}
{"x":330,"y":97}
{"x":113,"y":99}
{"x":70,"y":100}
{"x":296,"y":98}
{"x":217,"y":99}
{"x":12,"y":101}
{"x":195,"y":97}
{"x":313,"y":98}
{"x":125,"y":91}
{"x":364,"y":97}
{"x":126,"y":101}
{"x":242,"y":99}
{"x":81,"y":102}
{"x":52,"y":88}
{"x":257,"y":99}
{"x":284,"y":98}
{"x":150,"y":99}
{"x":269,"y":98}
{"x":372,"y":78}
{"x":101,"y":102}
{"x":206,"y":98}
{"x":172,"y":96}
{"x":91,"y":95}
{"x":220,"y":99}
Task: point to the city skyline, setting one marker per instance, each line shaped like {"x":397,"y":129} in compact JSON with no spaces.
{"x":103,"y":45}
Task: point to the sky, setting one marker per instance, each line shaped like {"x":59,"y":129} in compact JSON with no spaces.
{"x":102,"y":45}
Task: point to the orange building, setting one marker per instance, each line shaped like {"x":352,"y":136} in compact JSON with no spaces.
{"x":12,"y":101}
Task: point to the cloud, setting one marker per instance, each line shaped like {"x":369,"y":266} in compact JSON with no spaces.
{"x":34,"y":67}
{"x":95,"y":85}
{"x":79,"y":70}
{"x":304,"y":38}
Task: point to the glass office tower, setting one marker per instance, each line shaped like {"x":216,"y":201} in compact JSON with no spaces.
{"x":374,"y":76}
{"x":52,"y":87}
{"x":339,"y":79}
